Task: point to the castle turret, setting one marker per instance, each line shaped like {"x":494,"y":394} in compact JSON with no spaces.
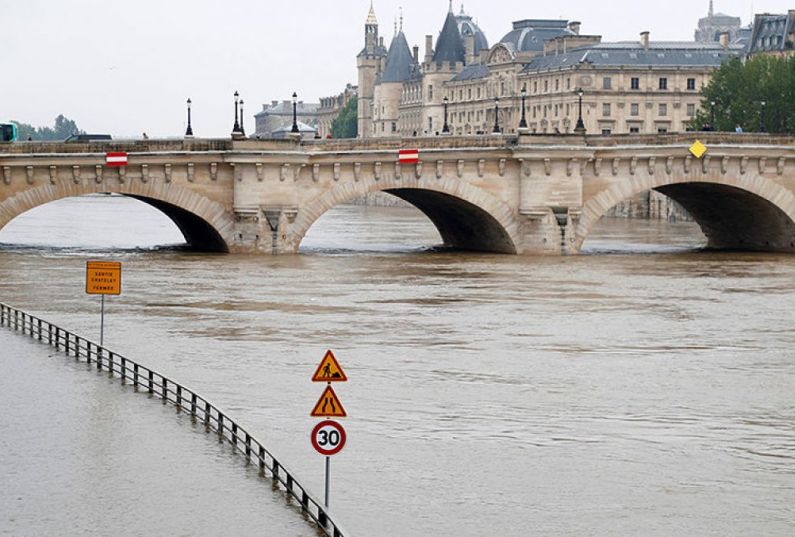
{"x":369,"y":63}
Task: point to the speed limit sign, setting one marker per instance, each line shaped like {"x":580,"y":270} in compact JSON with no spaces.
{"x":328,"y":438}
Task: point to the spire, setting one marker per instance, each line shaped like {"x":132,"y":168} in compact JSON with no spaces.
{"x":462,"y":9}
{"x":371,"y":19}
{"x":449,"y":46}
{"x":711,"y":8}
{"x":401,"y":18}
{"x":451,"y":6}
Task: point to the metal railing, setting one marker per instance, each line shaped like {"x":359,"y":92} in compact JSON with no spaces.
{"x":143,"y":379}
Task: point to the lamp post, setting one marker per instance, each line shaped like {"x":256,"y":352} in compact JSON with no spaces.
{"x":446,"y":127}
{"x":295,"y":130}
{"x":497,"y":116}
{"x":580,"y":128}
{"x":523,"y":121}
{"x":236,"y":127}
{"x":712,"y":115}
{"x":189,"y":130}
{"x":762,"y":116}
{"x":242,"y":130}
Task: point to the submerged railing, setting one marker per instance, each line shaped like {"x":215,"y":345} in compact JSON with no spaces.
{"x":185,"y":400}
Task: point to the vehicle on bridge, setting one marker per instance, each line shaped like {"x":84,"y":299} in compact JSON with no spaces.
{"x":89,"y":138}
{"x":8,"y":132}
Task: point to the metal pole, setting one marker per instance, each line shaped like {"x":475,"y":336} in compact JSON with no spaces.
{"x":328,"y":477}
{"x":102,"y":324}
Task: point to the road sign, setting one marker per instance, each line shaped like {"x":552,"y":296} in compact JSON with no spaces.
{"x":103,"y":278}
{"x":116,"y":159}
{"x":409,"y":156}
{"x":329,"y":370}
{"x":698,"y":149}
{"x":329,"y":406}
{"x":328,"y":438}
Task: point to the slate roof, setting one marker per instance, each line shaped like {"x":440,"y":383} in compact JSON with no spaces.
{"x":400,"y":65}
{"x":633,"y":54}
{"x":771,"y":33}
{"x":472,"y":72}
{"x":466,"y":27}
{"x":449,"y":46}
{"x":529,"y":35}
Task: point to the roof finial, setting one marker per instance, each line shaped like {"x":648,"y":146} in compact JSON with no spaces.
{"x":462,"y":8}
{"x":401,"y":18}
{"x":711,"y":8}
{"x":395,"y":25}
{"x":451,"y":6}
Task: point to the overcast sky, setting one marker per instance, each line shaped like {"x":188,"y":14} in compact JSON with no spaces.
{"x":127,"y":67}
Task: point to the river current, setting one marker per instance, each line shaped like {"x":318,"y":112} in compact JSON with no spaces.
{"x":646,"y":387}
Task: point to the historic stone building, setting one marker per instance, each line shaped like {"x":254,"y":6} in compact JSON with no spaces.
{"x":330,"y":108}
{"x":464,"y":86}
{"x":773,"y":34}
{"x":714,"y":24}
{"x":279,"y":114}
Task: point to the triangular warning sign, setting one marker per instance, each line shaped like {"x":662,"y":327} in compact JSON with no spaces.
{"x":329,"y":370}
{"x":329,"y":406}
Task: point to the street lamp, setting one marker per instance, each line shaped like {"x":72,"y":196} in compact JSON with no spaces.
{"x":189,"y":130}
{"x":295,"y":130}
{"x":712,"y":115}
{"x":497,"y":116}
{"x":762,"y":116}
{"x":236,"y":128}
{"x":242,"y":130}
{"x":580,"y":128}
{"x":523,"y":121}
{"x":446,"y":127}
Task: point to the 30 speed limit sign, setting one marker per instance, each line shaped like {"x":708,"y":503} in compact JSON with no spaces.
{"x":328,"y":438}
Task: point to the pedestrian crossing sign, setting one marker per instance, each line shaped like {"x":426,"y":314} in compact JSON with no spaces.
{"x":329,"y":406}
{"x":329,"y":370}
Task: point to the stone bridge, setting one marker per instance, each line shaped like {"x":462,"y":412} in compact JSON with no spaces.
{"x":525,"y":194}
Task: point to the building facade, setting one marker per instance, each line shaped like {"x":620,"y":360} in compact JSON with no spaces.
{"x":464,"y":86}
{"x":773,"y":34}
{"x":279,"y":114}
{"x":330,"y":108}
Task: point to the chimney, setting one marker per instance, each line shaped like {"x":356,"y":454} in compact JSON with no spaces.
{"x":724,"y":40}
{"x":574,"y":27}
{"x":416,"y":51}
{"x":644,"y":40}
{"x":428,"y":48}
{"x":381,"y":42}
{"x":470,"y":43}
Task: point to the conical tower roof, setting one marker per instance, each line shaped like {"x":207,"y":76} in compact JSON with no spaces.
{"x":371,"y":18}
{"x":399,"y":61}
{"x":449,"y":47}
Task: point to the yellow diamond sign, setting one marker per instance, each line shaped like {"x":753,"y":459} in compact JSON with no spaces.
{"x":698,"y":149}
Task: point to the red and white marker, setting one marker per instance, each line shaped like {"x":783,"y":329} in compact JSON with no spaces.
{"x":328,"y":438}
{"x":115,"y":160}
{"x":409,"y":156}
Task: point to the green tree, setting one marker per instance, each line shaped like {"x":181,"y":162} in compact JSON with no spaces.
{"x":62,"y":129}
{"x":346,"y":124}
{"x":738,"y":90}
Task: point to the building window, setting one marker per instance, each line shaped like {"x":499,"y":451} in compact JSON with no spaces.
{"x":469,"y":94}
{"x":430,"y":125}
{"x":607,"y":82}
{"x":691,"y":84}
{"x":606,"y":132}
{"x":546,"y":86}
{"x":691,"y":110}
{"x":556,"y":110}
{"x":635,"y":83}
{"x":568,"y":83}
{"x":535,"y":87}
{"x":662,"y":130}
{"x":634,"y":109}
{"x":394,"y":127}
{"x":430,"y":93}
{"x":663,"y":83}
{"x":557,"y":84}
{"x":502,"y":88}
{"x":634,"y":130}
{"x":606,"y":109}
{"x":663,"y":110}
{"x":568,"y":109}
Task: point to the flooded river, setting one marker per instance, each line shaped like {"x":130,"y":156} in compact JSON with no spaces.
{"x":643,"y":388}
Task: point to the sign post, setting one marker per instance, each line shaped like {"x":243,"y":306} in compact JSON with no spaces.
{"x":103,"y":278}
{"x":329,"y":437}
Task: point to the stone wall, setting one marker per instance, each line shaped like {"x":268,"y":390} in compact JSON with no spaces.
{"x":651,"y":205}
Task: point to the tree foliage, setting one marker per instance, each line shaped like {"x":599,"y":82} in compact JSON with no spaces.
{"x":62,"y":129}
{"x":346,"y":124}
{"x":738,"y":90}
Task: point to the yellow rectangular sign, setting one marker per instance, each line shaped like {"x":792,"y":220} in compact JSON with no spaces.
{"x":103,"y":278}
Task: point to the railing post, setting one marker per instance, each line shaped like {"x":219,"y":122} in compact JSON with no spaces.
{"x":289,"y":483}
{"x":164,"y":390}
{"x":135,"y":376}
{"x":234,"y":434}
{"x":110,"y":363}
{"x":49,"y":333}
{"x":88,"y":350}
{"x":98,"y":351}
{"x":16,"y":320}
{"x":322,"y":519}
{"x":179,"y":398}
{"x":66,"y":343}
{"x":220,"y":426}
{"x":151,"y":382}
{"x":304,"y":500}
{"x":123,"y":369}
{"x":275,"y":470}
{"x":39,"y":323}
{"x":248,"y":447}
{"x":207,"y":416}
{"x":262,"y":460}
{"x":193,"y":405}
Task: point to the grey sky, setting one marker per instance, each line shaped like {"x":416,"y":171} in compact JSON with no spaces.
{"x":127,"y":67}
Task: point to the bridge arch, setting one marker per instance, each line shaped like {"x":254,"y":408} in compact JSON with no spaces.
{"x":466,"y":216}
{"x":204,"y":223}
{"x":735,"y":213}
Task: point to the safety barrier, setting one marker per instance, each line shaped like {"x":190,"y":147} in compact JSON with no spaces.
{"x":142,"y":378}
